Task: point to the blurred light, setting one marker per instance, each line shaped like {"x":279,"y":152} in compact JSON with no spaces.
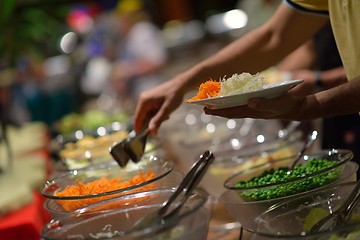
{"x":231,"y":124}
{"x":178,"y":33}
{"x":190,"y":119}
{"x":105,"y":102}
{"x":235,"y":143}
{"x":80,"y":20}
{"x":235,"y":19}
{"x":96,"y":75}
{"x":56,"y":65}
{"x":210,"y":128}
{"x":116,"y":126}
{"x":225,"y":22}
{"x":68,"y":42}
{"x":79,"y":134}
{"x":260,"y":138}
{"x":87,"y":154}
{"x":173,"y":30}
{"x":101,"y":131}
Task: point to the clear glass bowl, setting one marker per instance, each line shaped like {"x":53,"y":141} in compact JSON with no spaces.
{"x":295,"y":185}
{"x":246,"y":211}
{"x":98,"y":183}
{"x":257,"y":141}
{"x":293,"y":219}
{"x":226,"y":166}
{"x":170,"y":181}
{"x":111,"y":219}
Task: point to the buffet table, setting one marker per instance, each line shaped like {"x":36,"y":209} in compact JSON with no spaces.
{"x":22,"y":214}
{"x":26,"y":222}
{"x":182,"y":139}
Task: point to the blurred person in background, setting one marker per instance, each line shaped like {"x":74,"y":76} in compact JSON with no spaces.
{"x":294,"y":23}
{"x":141,"y":53}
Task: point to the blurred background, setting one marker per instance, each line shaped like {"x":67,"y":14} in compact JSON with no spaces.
{"x":71,"y":72}
{"x":59,"y":56}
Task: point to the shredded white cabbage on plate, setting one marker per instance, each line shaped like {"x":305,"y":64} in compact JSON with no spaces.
{"x":241,"y":83}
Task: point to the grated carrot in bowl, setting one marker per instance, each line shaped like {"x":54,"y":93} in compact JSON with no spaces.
{"x":102,"y":185}
{"x":208,"y":89}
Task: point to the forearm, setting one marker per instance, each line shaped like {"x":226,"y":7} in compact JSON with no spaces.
{"x":333,"y":77}
{"x":259,"y":49}
{"x":253,"y":53}
{"x":335,"y":101}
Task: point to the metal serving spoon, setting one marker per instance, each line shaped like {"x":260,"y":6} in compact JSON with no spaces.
{"x":188,"y":184}
{"x":342,"y":214}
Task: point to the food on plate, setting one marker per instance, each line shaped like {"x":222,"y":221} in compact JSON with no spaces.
{"x":208,"y":89}
{"x":241,"y":83}
{"x":286,"y":176}
{"x":236,"y":84}
{"x":100,"y":186}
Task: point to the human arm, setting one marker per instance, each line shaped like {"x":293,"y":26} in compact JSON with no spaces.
{"x":318,"y":80}
{"x":254,"y":52}
{"x":339,"y":100}
{"x":303,"y":64}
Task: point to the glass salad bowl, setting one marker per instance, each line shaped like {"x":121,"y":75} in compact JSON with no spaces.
{"x":78,"y":188}
{"x":226,"y":166}
{"x":112,"y":219}
{"x":246,"y":203}
{"x":293,"y":219}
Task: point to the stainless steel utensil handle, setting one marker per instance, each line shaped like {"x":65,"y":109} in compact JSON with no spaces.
{"x":351,"y":201}
{"x":192,"y":185}
{"x":192,"y":178}
{"x":309,"y":141}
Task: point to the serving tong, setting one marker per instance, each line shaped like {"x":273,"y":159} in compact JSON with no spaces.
{"x":341,"y":215}
{"x":131,"y":148}
{"x":186,"y":187}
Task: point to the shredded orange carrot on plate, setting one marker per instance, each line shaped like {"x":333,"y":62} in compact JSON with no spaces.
{"x":208,"y":89}
{"x":102,"y":185}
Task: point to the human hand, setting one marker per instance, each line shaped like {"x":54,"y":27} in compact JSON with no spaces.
{"x":157,"y":103}
{"x":308,"y":86}
{"x":286,"y":107}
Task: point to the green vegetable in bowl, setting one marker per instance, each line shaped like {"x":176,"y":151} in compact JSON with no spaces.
{"x":284,"y":182}
{"x":315,"y":215}
{"x":351,"y":236}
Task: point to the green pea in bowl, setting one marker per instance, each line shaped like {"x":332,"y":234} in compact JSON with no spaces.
{"x":251,"y":191}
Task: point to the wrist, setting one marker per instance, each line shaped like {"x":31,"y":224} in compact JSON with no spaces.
{"x":318,"y":80}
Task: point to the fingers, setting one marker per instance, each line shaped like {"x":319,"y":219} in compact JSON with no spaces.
{"x":234,"y":112}
{"x":153,"y":111}
{"x":139,"y":115}
{"x":284,"y":107}
{"x":159,"y":117}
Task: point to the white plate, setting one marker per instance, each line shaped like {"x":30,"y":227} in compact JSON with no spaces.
{"x":271,"y":90}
